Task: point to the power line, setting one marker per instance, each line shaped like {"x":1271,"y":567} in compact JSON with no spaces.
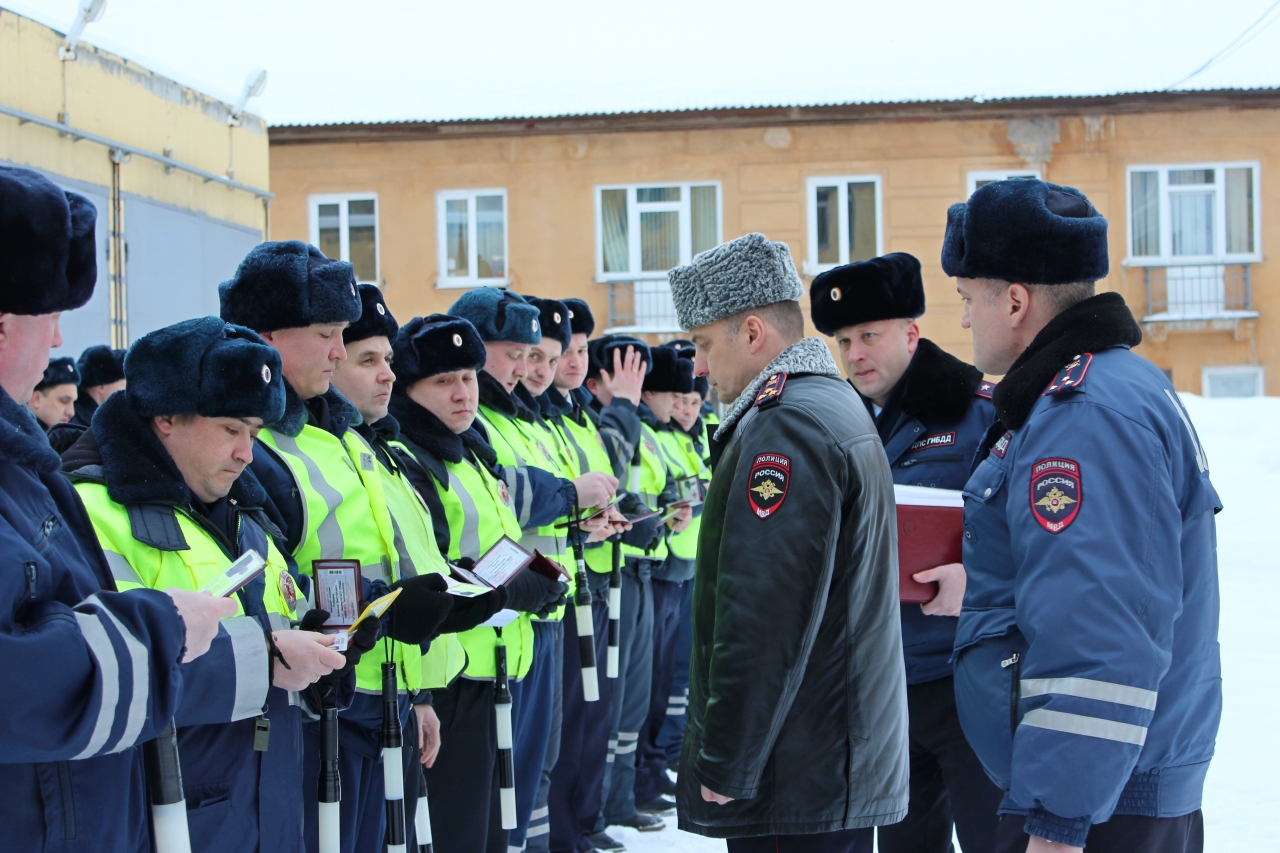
{"x":1251,"y":31}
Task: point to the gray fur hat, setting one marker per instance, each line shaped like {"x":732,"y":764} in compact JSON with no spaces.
{"x":749,"y":272}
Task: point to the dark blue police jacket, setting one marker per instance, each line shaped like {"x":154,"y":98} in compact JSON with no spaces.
{"x":931,"y":427}
{"x":88,"y":673}
{"x":1087,"y":667}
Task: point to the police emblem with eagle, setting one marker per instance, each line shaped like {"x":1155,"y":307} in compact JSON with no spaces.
{"x":768,"y":483}
{"x":1056,"y":493}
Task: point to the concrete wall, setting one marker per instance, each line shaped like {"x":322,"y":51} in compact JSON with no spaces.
{"x":923,"y":165}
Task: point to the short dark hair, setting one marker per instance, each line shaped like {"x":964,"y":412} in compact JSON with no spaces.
{"x":786,"y":317}
{"x":1059,"y":297}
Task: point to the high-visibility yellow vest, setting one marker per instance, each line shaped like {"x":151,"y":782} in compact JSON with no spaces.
{"x":681,"y":464}
{"x":584,"y":444}
{"x":346,"y":518}
{"x":648,"y":482}
{"x":418,"y":555}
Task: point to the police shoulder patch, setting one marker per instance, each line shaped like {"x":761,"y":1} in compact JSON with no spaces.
{"x":768,"y":484}
{"x":771,"y":390}
{"x":1056,"y":493}
{"x":1071,"y":376}
{"x":1001,"y":447}
{"x":985,"y":389}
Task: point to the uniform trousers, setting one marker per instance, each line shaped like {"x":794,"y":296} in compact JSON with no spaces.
{"x":671,"y":740}
{"x":531,"y":703}
{"x":538,"y":837}
{"x":631,"y":690}
{"x":578,"y":777}
{"x":651,"y":758}
{"x":462,"y":786}
{"x":1121,"y":834}
{"x":840,"y":841}
{"x":948,"y":785}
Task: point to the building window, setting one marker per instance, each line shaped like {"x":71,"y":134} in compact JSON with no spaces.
{"x":1193,"y":214}
{"x":981,"y":179}
{"x":1237,"y":380}
{"x":471,"y":234}
{"x":844,"y":221}
{"x":345,"y":227}
{"x":643,"y":231}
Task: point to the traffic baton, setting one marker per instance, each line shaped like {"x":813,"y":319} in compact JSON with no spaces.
{"x":330,"y":793}
{"x":615,"y":608}
{"x":392,"y":761}
{"x":422,"y":816}
{"x":168,"y":805}
{"x":502,"y":711}
{"x":586,"y":624}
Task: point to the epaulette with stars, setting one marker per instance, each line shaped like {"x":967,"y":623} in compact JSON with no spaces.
{"x":1070,"y":377}
{"x":771,"y":390}
{"x":984,"y":390}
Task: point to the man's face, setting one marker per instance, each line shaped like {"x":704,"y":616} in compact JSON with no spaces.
{"x":25,"y":341}
{"x":687,"y":412}
{"x":875,"y":355}
{"x":661,"y":402}
{"x":365,"y":377}
{"x":725,"y":360}
{"x":309,"y":355}
{"x":989,"y":319}
{"x":507,"y":362}
{"x":543,"y":364}
{"x":451,"y":397}
{"x":572,"y":368}
{"x":100,"y":393}
{"x":210,"y":452}
{"x":54,"y":405}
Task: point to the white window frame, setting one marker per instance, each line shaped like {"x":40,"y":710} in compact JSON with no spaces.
{"x":1257,"y":370}
{"x":635,"y":208}
{"x":344,"y":233}
{"x":998,"y":175}
{"x":811,"y":265}
{"x":1220,"y":255}
{"x":445,"y":281}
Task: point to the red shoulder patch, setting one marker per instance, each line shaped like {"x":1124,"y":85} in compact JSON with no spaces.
{"x":768,"y":484}
{"x":985,"y":389}
{"x":1056,"y":493}
{"x":1070,"y":376}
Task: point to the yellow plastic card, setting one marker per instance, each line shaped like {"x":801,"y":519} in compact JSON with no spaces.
{"x":375,"y":609}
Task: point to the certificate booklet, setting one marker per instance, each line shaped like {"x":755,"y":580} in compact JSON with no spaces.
{"x":501,"y":563}
{"x":930,"y":534}
{"x":338,"y":591}
{"x":689,"y":491}
{"x":239,"y":573}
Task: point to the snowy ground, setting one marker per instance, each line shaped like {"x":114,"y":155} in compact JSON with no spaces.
{"x":1242,"y":798}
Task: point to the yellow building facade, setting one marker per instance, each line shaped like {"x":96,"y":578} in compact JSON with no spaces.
{"x":599,"y":207}
{"x":181,"y":187}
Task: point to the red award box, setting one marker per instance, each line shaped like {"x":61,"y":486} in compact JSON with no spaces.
{"x":930,"y":534}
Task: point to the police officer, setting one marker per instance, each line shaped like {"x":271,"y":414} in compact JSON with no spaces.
{"x":323,"y":484}
{"x":89,"y":672}
{"x":932,"y":411}
{"x":53,"y":401}
{"x":1087,"y":666}
{"x":796,"y":738}
{"x":101,"y":370}
{"x":161,"y":472}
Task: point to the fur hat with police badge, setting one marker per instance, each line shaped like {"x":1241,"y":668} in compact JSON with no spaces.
{"x":669,"y":372}
{"x":553,"y":316}
{"x":48,"y":253}
{"x":375,"y":317}
{"x":427,"y":346}
{"x":100,"y":365}
{"x":1026,"y":231}
{"x":749,"y":272}
{"x":499,"y":315}
{"x":580,"y":316}
{"x":61,"y":371}
{"x":205,"y":367}
{"x":289,"y":285}
{"x":885,"y":288}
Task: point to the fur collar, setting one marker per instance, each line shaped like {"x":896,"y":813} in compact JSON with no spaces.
{"x":808,"y":355}
{"x":296,"y":413}
{"x":122,"y":450}
{"x":937,"y":384}
{"x":419,"y":426}
{"x":22,"y":441}
{"x":1097,"y":323}
{"x":494,"y":395}
{"x":527,"y":408}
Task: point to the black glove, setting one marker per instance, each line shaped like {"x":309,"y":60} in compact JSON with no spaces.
{"x":531,"y":592}
{"x":467,"y":613}
{"x":423,"y":604}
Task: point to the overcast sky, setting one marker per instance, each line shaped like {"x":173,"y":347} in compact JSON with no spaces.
{"x":390,"y":60}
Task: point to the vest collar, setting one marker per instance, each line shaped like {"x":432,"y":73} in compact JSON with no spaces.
{"x":554,"y":404}
{"x":22,"y":441}
{"x":1097,"y":323}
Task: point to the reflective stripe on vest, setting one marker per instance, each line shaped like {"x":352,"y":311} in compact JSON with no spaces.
{"x":587,"y":446}
{"x":685,"y":543}
{"x":652,"y":480}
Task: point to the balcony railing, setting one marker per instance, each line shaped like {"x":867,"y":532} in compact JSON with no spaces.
{"x":1198,"y":292}
{"x":640,"y":307}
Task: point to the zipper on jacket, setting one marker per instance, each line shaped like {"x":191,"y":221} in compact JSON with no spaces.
{"x":46,"y":531}
{"x":68,"y":801}
{"x":1015,"y":689}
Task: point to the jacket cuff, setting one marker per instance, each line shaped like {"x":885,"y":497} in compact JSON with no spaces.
{"x":722,"y":787}
{"x":1062,"y":830}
